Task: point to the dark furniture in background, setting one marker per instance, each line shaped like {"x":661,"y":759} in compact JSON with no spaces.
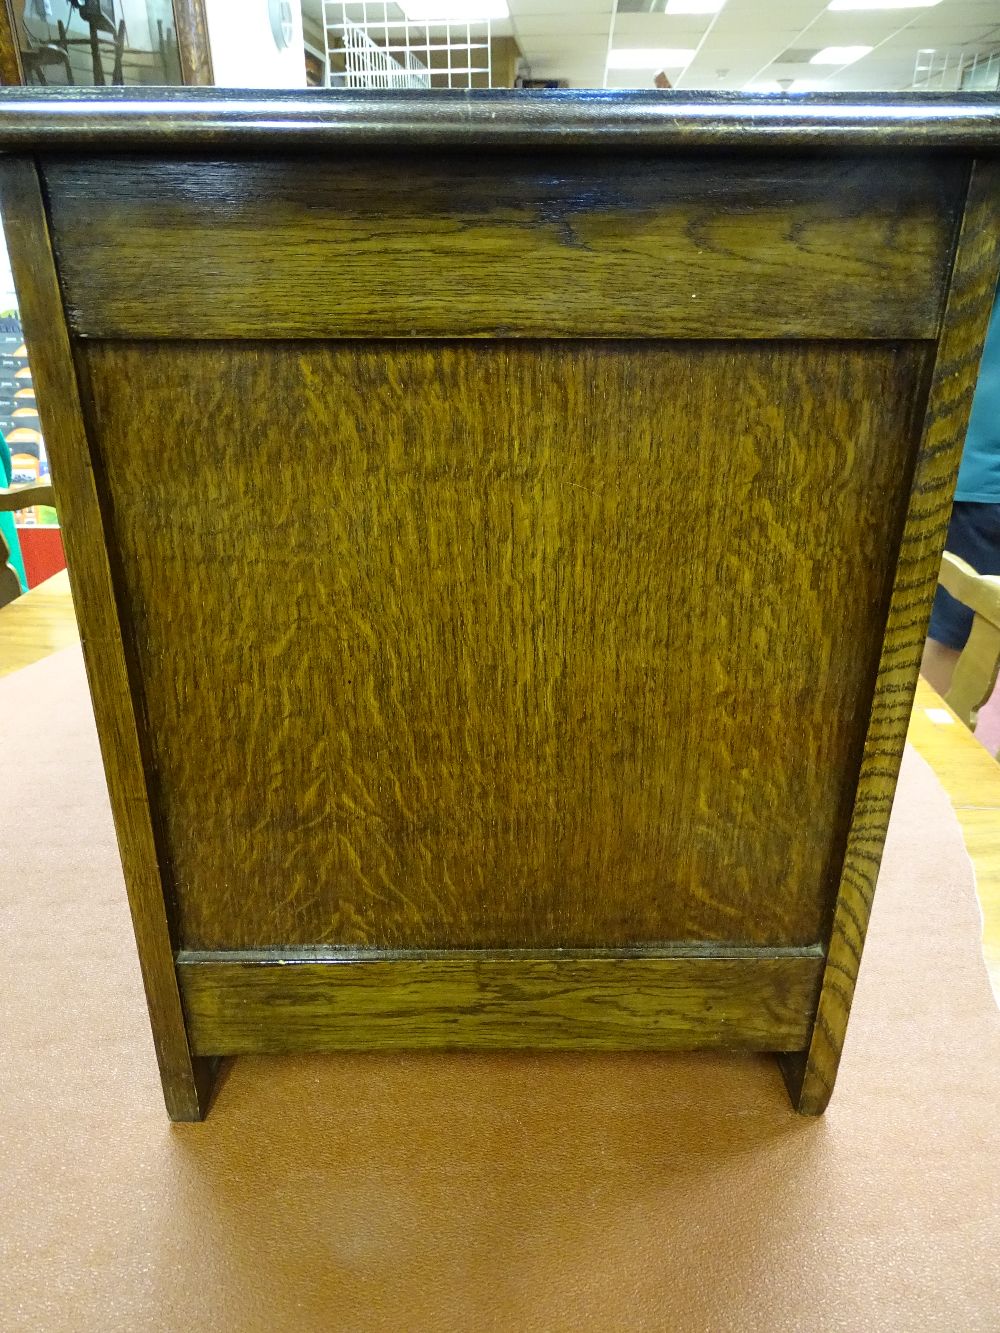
{"x":535,"y":669}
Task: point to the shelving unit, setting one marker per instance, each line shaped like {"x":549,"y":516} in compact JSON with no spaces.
{"x":372,"y":44}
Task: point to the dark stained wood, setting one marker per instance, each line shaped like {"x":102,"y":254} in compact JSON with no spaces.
{"x":10,"y":584}
{"x":974,"y":281}
{"x":23,"y":497}
{"x":542,"y":246}
{"x":460,"y":1001}
{"x":505,"y":644}
{"x":19,"y":497}
{"x":511,"y":689}
{"x":193,"y":48}
{"x":11,"y":73}
{"x":115,"y":688}
{"x":498,"y":120}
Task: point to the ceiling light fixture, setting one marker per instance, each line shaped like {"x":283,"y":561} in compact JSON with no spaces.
{"x":650,"y":57}
{"x":882,"y":4}
{"x":840,"y":55}
{"x":454,"y":11}
{"x":693,"y":6}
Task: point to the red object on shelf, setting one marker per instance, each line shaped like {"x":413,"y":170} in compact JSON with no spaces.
{"x":42,"y":553}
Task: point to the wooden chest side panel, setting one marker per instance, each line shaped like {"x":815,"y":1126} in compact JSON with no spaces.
{"x":505,"y":645}
{"x":506,"y":246}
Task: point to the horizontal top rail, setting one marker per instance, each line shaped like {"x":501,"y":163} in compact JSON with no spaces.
{"x":218,"y":118}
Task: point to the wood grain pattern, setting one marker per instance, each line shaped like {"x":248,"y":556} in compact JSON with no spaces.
{"x":113,"y":682}
{"x":558,"y":636}
{"x":523,"y":247}
{"x":970,"y":300}
{"x":518,"y":644}
{"x":193,"y":47}
{"x":238,"y":1006}
{"x":11,"y":73}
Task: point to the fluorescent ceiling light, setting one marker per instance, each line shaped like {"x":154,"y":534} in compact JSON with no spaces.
{"x":454,"y":11}
{"x":882,"y":4}
{"x":650,"y":57}
{"x":804,"y":86}
{"x":693,"y":6}
{"x":840,"y":55}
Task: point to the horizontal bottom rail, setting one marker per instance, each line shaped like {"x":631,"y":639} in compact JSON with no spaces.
{"x":256,"y":1002}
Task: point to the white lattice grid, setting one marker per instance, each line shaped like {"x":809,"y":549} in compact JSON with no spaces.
{"x":372,"y":44}
{"x":957,"y":69}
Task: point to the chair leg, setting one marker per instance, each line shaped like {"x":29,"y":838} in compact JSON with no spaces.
{"x":976,"y":671}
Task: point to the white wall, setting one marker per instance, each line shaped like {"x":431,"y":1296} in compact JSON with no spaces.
{"x":8,"y":301}
{"x":244,"y":54}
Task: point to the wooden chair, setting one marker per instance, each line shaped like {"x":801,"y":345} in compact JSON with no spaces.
{"x":18,"y":497}
{"x":104,"y":37}
{"x":36,"y":59}
{"x":977,"y":668}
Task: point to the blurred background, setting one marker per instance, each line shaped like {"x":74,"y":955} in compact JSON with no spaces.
{"x":760,"y":45}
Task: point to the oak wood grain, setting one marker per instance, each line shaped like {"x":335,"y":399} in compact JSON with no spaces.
{"x":520,"y":641}
{"x":114,"y":685}
{"x":193,"y":47}
{"x":511,"y":645}
{"x":972,"y":287}
{"x":537,"y":246}
{"x":11,"y":73}
{"x":456,"y":1001}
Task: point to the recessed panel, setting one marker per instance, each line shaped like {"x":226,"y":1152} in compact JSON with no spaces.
{"x":527,"y":645}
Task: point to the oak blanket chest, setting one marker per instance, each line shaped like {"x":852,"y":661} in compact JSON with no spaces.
{"x":503,"y":528}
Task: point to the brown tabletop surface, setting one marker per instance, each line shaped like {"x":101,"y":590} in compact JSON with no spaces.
{"x":523,"y":1192}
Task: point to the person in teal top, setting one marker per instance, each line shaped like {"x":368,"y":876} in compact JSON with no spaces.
{"x":8,"y":532}
{"x":974,"y":531}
